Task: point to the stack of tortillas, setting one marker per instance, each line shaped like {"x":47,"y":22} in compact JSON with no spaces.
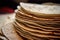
{"x":38,"y":21}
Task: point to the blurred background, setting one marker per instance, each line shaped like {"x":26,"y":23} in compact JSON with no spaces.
{"x":8,"y":6}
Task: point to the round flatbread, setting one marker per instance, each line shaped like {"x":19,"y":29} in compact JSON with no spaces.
{"x":9,"y":31}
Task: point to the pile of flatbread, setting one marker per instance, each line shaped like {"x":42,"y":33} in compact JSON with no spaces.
{"x":34,"y":22}
{"x":38,"y":21}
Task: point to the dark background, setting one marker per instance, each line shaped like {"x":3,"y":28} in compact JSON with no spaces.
{"x":13,"y":4}
{"x":9,"y":3}
{"x":43,"y":1}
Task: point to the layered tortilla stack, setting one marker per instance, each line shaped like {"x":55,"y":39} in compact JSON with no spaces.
{"x":38,"y":21}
